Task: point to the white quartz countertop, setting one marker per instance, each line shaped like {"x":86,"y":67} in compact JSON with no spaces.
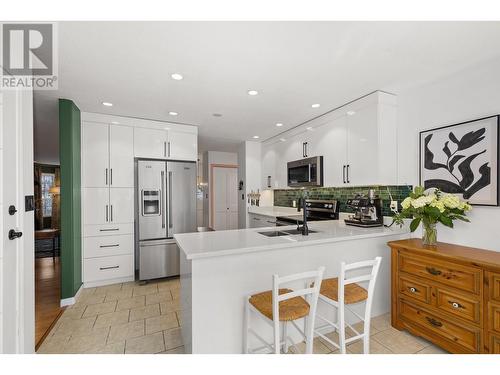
{"x":273,"y":211}
{"x":232,"y":242}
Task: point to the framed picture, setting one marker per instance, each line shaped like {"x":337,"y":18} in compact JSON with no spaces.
{"x":463,"y":159}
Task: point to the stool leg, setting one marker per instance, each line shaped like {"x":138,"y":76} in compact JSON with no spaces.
{"x":285,"y":335}
{"x":366,"y":338}
{"x":309,"y":330}
{"x":246,"y":325}
{"x":341,"y":324}
{"x":277,"y":346}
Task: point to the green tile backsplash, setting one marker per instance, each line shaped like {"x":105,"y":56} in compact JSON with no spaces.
{"x":285,"y":197}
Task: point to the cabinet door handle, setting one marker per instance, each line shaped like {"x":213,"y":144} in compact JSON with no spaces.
{"x":106,"y":213}
{"x":111,"y":213}
{"x":108,"y":268}
{"x":456,"y":305}
{"x":106,"y":176}
{"x":109,"y":230}
{"x":343,"y":173}
{"x":103,"y":246}
{"x":165,"y":149}
{"x":347,"y":174}
{"x":169,"y":149}
{"x":433,"y":271}
{"x":434,"y":322}
{"x":303,"y":149}
{"x":111,"y":176}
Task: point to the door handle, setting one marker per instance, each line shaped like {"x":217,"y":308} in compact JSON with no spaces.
{"x":305,"y":146}
{"x":434,"y":322}
{"x":170,"y":224}
{"x":13,"y":234}
{"x":162,"y":203}
{"x":343,"y":173}
{"x":433,"y":271}
{"x":106,"y":213}
{"x":168,"y":148}
{"x":106,"y":176}
{"x":12,"y":210}
{"x":303,"y":149}
{"x":347,"y":174}
{"x":111,"y":176}
{"x":111,"y":213}
{"x":165,"y":149}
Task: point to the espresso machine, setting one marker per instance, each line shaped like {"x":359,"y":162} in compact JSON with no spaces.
{"x":367,"y":211}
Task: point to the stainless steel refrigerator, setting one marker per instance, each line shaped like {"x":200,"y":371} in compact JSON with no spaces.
{"x":166,"y":205}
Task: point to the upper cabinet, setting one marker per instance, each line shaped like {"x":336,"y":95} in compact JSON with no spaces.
{"x":165,"y":144}
{"x":107,"y":155}
{"x":357,"y":142}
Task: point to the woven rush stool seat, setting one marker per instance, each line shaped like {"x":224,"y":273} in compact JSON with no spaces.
{"x":353,"y":293}
{"x":290,"y":309}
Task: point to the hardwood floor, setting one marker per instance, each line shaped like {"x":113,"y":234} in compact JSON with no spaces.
{"x":47,"y":296}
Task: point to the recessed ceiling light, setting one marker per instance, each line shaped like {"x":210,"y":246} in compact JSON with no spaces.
{"x":350,"y":113}
{"x":255,"y":137}
{"x":253,"y":92}
{"x":176,"y":76}
{"x":279,"y":124}
{"x":107,"y":104}
{"x":282,"y":139}
{"x":316,"y":105}
{"x":171,"y":113}
{"x":217,"y":114}
{"x":309,"y":128}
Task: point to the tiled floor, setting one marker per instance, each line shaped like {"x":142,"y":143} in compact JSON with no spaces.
{"x":132,"y":318}
{"x":121,"y":318}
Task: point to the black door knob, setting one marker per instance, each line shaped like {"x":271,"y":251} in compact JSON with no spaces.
{"x":13,"y":234}
{"x":12,"y":210}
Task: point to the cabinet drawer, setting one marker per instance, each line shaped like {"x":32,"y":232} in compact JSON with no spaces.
{"x":107,"y":229}
{"x":459,"y":305}
{"x":108,"y":268}
{"x":103,"y":246}
{"x":469,"y":338}
{"x":494,"y":282}
{"x":494,"y":316}
{"x":454,"y":275}
{"x":494,"y":344}
{"x":415,"y":289}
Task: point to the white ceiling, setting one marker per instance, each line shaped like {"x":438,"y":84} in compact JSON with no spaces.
{"x":291,"y":64}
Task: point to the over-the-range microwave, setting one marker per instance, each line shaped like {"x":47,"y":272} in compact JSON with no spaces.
{"x":305,"y":172}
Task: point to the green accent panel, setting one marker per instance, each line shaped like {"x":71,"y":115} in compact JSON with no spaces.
{"x":285,"y":197}
{"x":71,"y":206}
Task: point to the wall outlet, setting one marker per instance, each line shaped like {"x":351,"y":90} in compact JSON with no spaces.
{"x":394,"y":206}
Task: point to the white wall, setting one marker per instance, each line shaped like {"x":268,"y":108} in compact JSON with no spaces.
{"x":467,"y":95}
{"x":209,"y":158}
{"x":249,"y":171}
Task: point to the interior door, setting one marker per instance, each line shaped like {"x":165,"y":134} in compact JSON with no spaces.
{"x":121,"y":156}
{"x":95,"y":155}
{"x":225,"y":198}
{"x":17,"y":305}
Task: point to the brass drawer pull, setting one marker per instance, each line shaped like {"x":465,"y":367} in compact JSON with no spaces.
{"x":456,"y":305}
{"x":434,"y":322}
{"x":433,"y":271}
{"x":413,"y":289}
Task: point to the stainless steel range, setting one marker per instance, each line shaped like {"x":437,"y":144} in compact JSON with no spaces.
{"x":316,"y":210}
{"x":166,"y":205}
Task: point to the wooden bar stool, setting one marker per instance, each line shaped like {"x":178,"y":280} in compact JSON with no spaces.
{"x":343,"y":292}
{"x":283,"y":305}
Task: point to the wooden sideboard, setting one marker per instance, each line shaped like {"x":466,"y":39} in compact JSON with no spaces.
{"x":447,"y":294}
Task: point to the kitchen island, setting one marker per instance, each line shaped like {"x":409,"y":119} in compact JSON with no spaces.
{"x":218,"y":269}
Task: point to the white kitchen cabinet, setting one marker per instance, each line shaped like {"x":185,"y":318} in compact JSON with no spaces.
{"x":95,"y":155}
{"x":150,"y":143}
{"x":182,"y":146}
{"x":268,"y":167}
{"x":121,"y":204}
{"x":95,"y":205}
{"x":121,"y":156}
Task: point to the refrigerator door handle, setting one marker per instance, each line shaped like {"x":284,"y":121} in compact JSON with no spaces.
{"x":161,"y":199}
{"x":170,"y":220}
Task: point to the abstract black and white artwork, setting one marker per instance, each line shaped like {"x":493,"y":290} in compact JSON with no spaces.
{"x":462,"y":159}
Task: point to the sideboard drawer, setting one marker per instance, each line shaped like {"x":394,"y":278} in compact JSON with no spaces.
{"x":107,"y":229}
{"x":102,"y":246}
{"x":415,"y":289}
{"x":494,"y":316}
{"x":469,"y":338}
{"x":108,"y":268}
{"x":494,"y":284}
{"x":458,"y":305}
{"x":451,"y":274}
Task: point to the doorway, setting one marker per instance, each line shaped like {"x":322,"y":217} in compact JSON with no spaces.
{"x":224,"y":193}
{"x":47,"y":182}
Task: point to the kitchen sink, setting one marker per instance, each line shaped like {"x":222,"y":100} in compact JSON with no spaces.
{"x":295,"y":231}
{"x":274,"y":233}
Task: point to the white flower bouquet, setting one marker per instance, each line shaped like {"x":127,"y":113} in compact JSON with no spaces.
{"x":430,"y":208}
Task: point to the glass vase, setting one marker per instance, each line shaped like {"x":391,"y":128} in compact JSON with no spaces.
{"x":429,"y":236}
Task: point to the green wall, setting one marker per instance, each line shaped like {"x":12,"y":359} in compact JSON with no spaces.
{"x":71,"y":231}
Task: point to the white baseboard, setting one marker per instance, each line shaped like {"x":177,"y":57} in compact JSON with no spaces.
{"x":72,"y":300}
